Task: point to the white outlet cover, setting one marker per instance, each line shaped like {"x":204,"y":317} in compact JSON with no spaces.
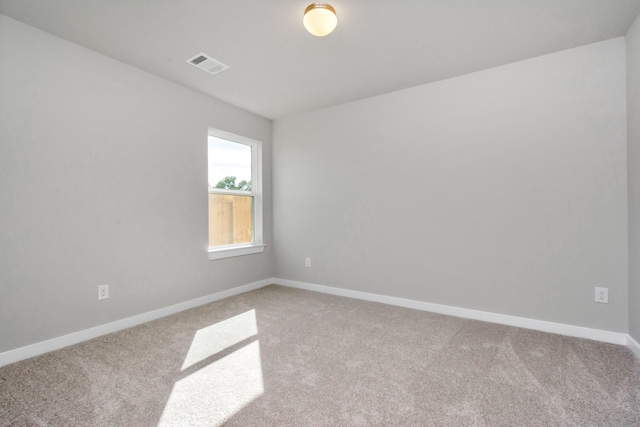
{"x":602,"y":295}
{"x":103,"y":292}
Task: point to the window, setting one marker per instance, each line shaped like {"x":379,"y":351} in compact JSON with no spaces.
{"x":235,"y":195}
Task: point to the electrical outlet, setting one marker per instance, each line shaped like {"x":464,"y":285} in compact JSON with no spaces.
{"x":307,"y":262}
{"x":103,"y":291}
{"x":602,"y":295}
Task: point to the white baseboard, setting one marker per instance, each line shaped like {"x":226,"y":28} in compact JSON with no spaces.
{"x":37,"y":349}
{"x":633,"y":346}
{"x":521,"y":322}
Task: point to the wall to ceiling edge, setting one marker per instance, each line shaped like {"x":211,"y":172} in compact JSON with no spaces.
{"x":503,"y":191}
{"x":104,"y":180}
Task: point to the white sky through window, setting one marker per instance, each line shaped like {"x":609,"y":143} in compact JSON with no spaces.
{"x":228,"y":158}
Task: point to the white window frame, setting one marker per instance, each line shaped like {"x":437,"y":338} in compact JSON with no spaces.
{"x":257,"y":245}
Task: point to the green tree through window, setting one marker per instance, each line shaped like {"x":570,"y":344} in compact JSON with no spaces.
{"x":229,"y":183}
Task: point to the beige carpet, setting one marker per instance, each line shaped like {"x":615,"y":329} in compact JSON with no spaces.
{"x":280,"y":356}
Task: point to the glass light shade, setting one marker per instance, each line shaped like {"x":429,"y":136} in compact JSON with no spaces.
{"x":320,"y":19}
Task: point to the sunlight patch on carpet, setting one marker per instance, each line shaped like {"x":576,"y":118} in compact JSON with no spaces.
{"x":214,"y":393}
{"x":222,"y":335}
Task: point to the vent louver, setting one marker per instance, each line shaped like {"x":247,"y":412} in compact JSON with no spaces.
{"x":207,"y":63}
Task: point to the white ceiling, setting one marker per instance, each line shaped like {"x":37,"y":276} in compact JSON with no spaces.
{"x":278,"y":69}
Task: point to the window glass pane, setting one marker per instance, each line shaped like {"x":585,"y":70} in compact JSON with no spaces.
{"x":230,"y":219}
{"x":229,"y":165}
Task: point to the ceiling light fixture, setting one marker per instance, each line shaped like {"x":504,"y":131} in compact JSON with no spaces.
{"x":320,"y":19}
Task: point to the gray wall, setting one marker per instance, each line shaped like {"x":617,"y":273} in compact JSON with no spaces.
{"x":633,"y":159}
{"x":503,"y":190}
{"x":103,"y":179}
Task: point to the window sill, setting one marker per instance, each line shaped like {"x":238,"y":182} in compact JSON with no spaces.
{"x":227,"y":252}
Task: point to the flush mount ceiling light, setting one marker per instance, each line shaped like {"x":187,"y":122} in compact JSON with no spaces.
{"x":320,"y":19}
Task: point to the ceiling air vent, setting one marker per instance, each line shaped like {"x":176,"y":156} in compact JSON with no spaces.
{"x":207,"y":63}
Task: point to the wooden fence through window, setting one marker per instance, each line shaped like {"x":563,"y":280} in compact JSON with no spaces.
{"x":230,"y":219}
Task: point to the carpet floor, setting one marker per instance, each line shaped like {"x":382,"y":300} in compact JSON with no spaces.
{"x":281,"y":356}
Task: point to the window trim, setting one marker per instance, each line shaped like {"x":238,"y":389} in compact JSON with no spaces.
{"x":257,"y":245}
